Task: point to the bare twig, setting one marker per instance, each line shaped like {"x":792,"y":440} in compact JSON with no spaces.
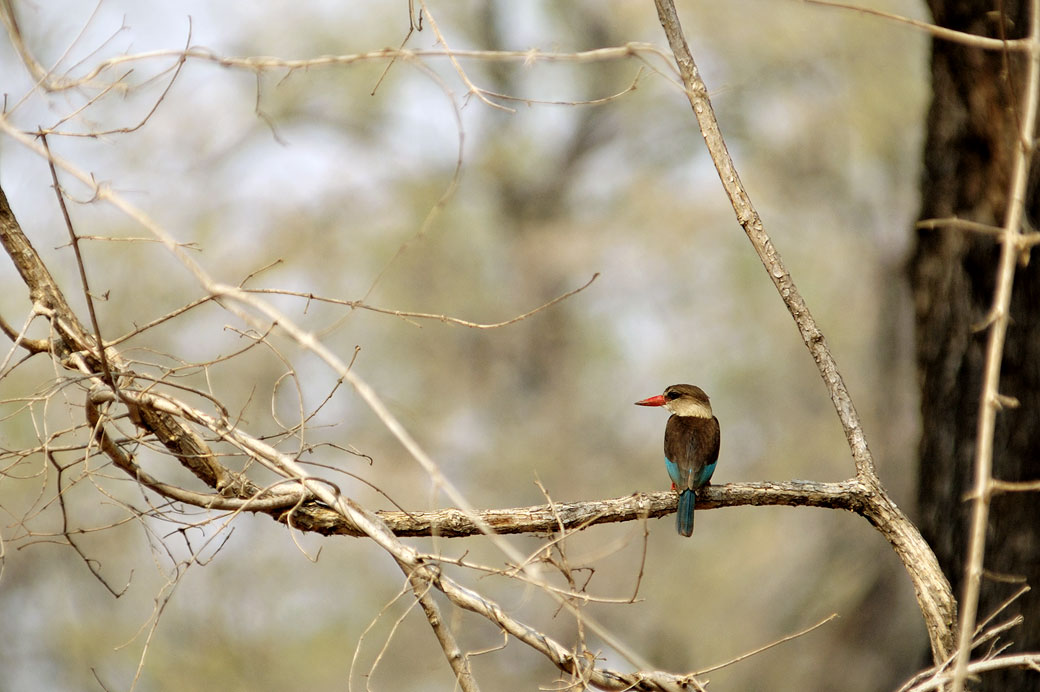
{"x":999,"y":486}
{"x":254,"y":63}
{"x":473,"y":88}
{"x":33,"y":346}
{"x":768,"y":646}
{"x":421,"y":585}
{"x":67,"y":533}
{"x":364,"y":634}
{"x":426,"y":315}
{"x":998,"y":322}
{"x":1025,"y":661}
{"x":404,"y":42}
{"x":936,"y":31}
{"x":960,"y":224}
{"x":105,"y":371}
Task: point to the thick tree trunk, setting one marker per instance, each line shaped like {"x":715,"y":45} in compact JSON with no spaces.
{"x":970,"y":143}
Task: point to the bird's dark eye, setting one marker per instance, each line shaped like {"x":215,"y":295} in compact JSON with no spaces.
{"x":672,"y":395}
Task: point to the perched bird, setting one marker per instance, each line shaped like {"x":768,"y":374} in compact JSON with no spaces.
{"x":691,"y":445}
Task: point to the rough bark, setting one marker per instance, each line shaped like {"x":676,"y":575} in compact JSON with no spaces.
{"x":970,"y":141}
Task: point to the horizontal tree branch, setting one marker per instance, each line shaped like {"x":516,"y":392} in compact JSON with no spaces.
{"x":455,"y":523}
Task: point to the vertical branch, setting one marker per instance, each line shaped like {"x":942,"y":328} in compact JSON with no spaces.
{"x":458,"y":661}
{"x":748,"y":217}
{"x":934,"y":595}
{"x":74,"y":238}
{"x":991,"y":401}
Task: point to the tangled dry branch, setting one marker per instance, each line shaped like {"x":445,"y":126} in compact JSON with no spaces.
{"x":113,"y":392}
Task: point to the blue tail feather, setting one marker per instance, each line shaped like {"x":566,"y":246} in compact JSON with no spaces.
{"x":684,"y":514}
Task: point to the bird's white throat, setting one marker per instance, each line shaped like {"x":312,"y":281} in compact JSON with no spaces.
{"x":687,"y":407}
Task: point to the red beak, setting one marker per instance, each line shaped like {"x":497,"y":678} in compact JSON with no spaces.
{"x":658,"y":400}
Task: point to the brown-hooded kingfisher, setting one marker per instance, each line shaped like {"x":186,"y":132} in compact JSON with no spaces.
{"x":691,"y":445}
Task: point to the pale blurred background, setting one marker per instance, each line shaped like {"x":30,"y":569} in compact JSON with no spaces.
{"x":823,"y":112}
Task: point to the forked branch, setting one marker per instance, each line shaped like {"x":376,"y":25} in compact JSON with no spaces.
{"x":300,"y":495}
{"x":934,"y":595}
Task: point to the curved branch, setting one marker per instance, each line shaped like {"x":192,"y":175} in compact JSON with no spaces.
{"x":43,"y":289}
{"x":934,"y":595}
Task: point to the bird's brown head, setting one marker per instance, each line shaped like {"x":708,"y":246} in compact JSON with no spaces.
{"x":682,"y":400}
